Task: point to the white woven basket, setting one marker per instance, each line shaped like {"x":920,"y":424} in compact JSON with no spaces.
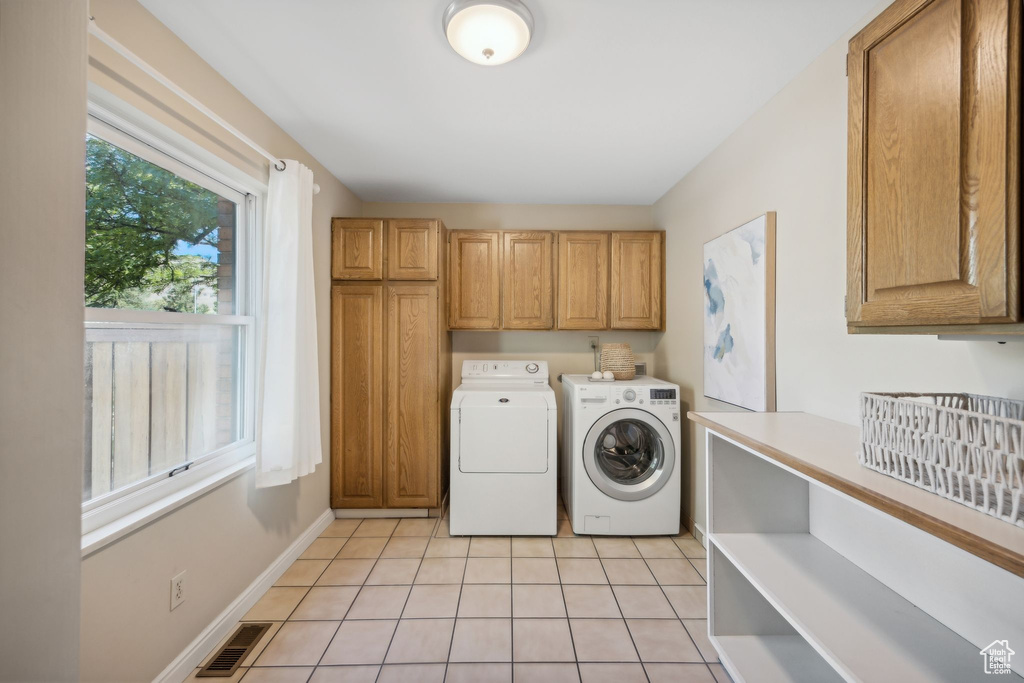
{"x":964,"y":447}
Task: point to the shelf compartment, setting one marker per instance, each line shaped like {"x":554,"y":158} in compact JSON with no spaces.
{"x":754,"y":641}
{"x":865,"y":630}
{"x":776,"y":659}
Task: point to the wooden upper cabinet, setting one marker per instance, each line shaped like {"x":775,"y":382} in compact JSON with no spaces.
{"x":583,"y":280}
{"x":528,"y":281}
{"x":412,"y":442}
{"x":357,"y":251}
{"x":412,"y":249}
{"x":934,"y":155}
{"x":357,"y":383}
{"x":475,"y":280}
{"x":637,"y":280}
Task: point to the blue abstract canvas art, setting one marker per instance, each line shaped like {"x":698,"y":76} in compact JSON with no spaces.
{"x":738,"y":335}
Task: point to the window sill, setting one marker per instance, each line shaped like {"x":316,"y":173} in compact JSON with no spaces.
{"x":126,"y":524}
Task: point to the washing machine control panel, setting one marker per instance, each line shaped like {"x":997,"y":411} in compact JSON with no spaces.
{"x":645,"y":396}
{"x":663,"y":397}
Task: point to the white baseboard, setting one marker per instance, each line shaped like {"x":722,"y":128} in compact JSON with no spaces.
{"x":193,"y":655}
{"x":700,"y":534}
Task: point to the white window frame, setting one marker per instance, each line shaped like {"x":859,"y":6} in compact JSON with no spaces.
{"x":109,"y":516}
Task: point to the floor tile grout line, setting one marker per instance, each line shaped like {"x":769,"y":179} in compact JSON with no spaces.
{"x":455,"y":623}
{"x":475,"y":661}
{"x":398,"y":622}
{"x":511,"y":613}
{"x":685,"y":630}
{"x":525,"y":585}
{"x":624,"y":622}
{"x":432,"y":535}
{"x":285,"y":621}
{"x":568,"y":624}
{"x":351,"y":604}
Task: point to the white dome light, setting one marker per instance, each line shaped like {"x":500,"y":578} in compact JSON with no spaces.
{"x":488,"y":32}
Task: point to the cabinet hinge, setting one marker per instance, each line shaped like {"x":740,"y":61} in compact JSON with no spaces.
{"x":848,"y":55}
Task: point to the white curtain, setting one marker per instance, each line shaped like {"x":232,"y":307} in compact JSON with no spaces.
{"x":288,"y":404}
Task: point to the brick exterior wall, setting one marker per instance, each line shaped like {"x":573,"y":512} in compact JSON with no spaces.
{"x":226,"y":414}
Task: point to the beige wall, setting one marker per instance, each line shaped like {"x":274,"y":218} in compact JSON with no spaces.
{"x":566,"y":352}
{"x":42,"y":115}
{"x":225,"y":539}
{"x":790,"y":157}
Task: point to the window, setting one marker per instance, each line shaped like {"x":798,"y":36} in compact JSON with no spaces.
{"x":170,"y":325}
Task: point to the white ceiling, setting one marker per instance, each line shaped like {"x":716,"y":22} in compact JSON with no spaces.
{"x":613,"y":102}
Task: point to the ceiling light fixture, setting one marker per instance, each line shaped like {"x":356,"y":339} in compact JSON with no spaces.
{"x":488,"y":32}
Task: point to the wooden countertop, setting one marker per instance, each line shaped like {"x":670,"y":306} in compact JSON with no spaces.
{"x":826,"y":450}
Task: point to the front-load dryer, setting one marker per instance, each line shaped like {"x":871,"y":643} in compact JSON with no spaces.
{"x":621,"y":458}
{"x":504,"y":471}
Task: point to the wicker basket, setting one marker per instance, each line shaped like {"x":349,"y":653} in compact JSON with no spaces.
{"x":618,"y":358}
{"x":964,"y":447}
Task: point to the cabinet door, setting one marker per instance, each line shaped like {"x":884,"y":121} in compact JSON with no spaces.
{"x":637,"y":280}
{"x":527,"y":289}
{"x":583,"y":280}
{"x":357,"y":387}
{"x":412,"y":249}
{"x":933,"y":184}
{"x":357,"y":249}
{"x":412,"y":440}
{"x":475,"y":281}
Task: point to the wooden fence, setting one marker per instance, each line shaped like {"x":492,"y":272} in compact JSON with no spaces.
{"x":155,"y":398}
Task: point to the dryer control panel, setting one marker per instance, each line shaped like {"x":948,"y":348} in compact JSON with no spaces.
{"x":505,"y":371}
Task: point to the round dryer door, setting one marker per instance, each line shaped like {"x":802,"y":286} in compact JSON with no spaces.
{"x":629,"y":454}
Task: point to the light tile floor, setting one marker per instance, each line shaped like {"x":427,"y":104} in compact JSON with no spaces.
{"x":380,"y":600}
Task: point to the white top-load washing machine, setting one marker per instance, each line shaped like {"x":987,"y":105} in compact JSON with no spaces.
{"x":504,"y":440}
{"x":621,"y":457}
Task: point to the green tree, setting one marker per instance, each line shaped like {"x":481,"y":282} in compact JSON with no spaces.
{"x":137,"y":216}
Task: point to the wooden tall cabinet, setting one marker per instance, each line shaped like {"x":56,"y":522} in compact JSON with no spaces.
{"x":934,"y":165}
{"x":412,"y":397}
{"x":390,"y":365}
{"x":357,"y":395}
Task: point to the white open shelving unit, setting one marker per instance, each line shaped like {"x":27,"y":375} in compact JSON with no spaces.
{"x":809,"y":583}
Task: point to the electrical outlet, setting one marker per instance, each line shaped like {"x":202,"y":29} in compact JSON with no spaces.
{"x":177,"y":590}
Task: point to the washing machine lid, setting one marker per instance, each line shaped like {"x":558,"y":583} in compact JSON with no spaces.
{"x":629,"y":454}
{"x":505,"y":431}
